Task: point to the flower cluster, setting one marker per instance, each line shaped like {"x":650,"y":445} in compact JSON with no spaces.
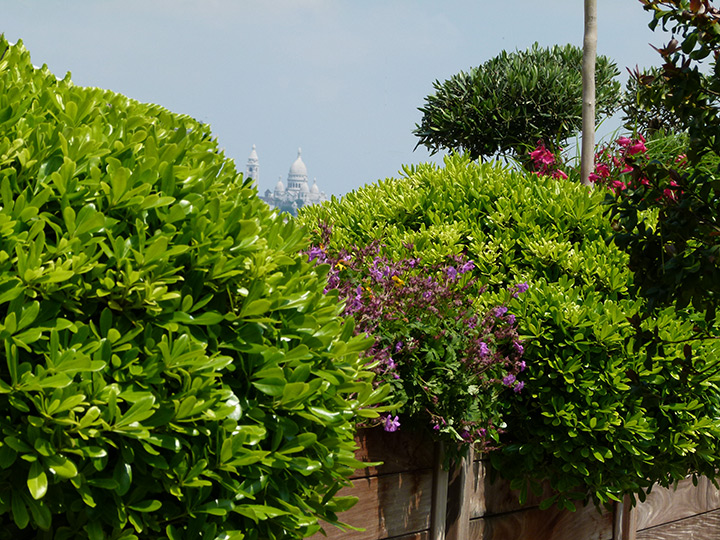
{"x":618,"y":166}
{"x":544,"y":162}
{"x":447,"y":363}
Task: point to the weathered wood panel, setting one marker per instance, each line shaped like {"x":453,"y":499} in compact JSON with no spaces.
{"x":399,"y":451}
{"x":586,"y":523}
{"x":417,"y":536}
{"x":702,"y":527}
{"x":494,"y":496}
{"x":664,"y":505}
{"x":390,"y":505}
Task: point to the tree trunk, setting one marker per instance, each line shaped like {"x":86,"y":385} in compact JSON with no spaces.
{"x":587,"y":160}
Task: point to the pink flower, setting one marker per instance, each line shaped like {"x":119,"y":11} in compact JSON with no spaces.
{"x":627,"y":168}
{"x":637,"y":148}
{"x":602,"y":170}
{"x":542,"y":156}
{"x":624,"y":141}
{"x":559,"y":174}
{"x":593,"y":177}
{"x":618,"y":185}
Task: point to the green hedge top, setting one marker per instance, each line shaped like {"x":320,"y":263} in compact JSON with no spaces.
{"x":171,"y":367}
{"x":611,"y":403}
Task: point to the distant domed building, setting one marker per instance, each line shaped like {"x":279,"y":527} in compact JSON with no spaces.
{"x":296,"y":195}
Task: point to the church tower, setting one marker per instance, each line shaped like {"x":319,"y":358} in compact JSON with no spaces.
{"x":252,"y":170}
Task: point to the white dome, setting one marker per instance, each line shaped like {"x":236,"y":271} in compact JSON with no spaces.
{"x":304,"y":188}
{"x":253,"y":155}
{"x":314,"y":188}
{"x":279,"y":186}
{"x":298,"y":168}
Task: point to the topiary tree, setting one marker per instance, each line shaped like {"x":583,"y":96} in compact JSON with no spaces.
{"x":604,"y":410}
{"x":506,"y":104}
{"x":171,"y":367}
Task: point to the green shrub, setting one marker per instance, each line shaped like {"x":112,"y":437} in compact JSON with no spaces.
{"x":506,"y":104}
{"x":171,"y":367}
{"x":611,"y":404}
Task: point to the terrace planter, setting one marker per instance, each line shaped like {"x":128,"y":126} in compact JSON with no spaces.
{"x":407,"y":498}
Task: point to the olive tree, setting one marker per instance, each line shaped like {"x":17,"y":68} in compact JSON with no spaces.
{"x":511,"y":101}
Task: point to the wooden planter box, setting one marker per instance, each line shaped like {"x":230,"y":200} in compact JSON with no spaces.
{"x":407,"y":498}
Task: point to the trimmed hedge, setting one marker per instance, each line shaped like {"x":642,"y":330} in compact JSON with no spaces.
{"x":611,"y":404}
{"x":171,"y":367}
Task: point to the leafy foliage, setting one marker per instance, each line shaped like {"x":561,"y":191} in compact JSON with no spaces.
{"x":171,"y":367}
{"x":446,"y":362}
{"x":512,"y":99}
{"x":643,"y":104}
{"x":680,"y":251}
{"x":606,"y":408}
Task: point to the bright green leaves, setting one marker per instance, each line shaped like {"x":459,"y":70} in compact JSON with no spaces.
{"x":37,"y":480}
{"x":612,"y":402}
{"x":168,"y":356}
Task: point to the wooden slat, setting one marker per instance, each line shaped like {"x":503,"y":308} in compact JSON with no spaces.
{"x":417,"y":536}
{"x":625,"y":520}
{"x":459,"y":497}
{"x":586,"y":523}
{"x":438,"y":509}
{"x":701,"y":527}
{"x":399,"y":451}
{"x":496,"y":497}
{"x":390,"y":505}
{"x":664,"y":505}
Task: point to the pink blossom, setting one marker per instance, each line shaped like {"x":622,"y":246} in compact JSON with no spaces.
{"x":559,"y":174}
{"x":624,"y":141}
{"x":602,"y":170}
{"x":637,"y":148}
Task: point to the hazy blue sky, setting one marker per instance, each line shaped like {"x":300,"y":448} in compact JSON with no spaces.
{"x":341,"y":78}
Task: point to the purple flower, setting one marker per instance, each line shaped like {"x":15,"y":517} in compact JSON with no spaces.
{"x":518,"y":387}
{"x":451,"y":273}
{"x":509,"y":379}
{"x":484,"y":349}
{"x":520,"y":349}
{"x":500,"y":311}
{"x":467,"y":267}
{"x":511,"y":319}
{"x":398,"y":346}
{"x":522,"y":365}
{"x":392,"y":424}
{"x":522,"y":287}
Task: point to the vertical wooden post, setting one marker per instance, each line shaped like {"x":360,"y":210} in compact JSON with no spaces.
{"x":625,"y":526}
{"x":438,"y":510}
{"x":458,"y":527}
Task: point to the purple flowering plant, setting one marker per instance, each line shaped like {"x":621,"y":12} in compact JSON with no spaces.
{"x":448,"y":364}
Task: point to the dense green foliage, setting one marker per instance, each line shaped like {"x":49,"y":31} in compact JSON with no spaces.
{"x":677,"y":256}
{"x":604,"y":410}
{"x":642,"y":105}
{"x":506,"y":104}
{"x":171,"y":367}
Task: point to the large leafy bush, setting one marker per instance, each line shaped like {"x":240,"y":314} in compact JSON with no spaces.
{"x":605,"y":408}
{"x":512,"y":100}
{"x":171,"y":367}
